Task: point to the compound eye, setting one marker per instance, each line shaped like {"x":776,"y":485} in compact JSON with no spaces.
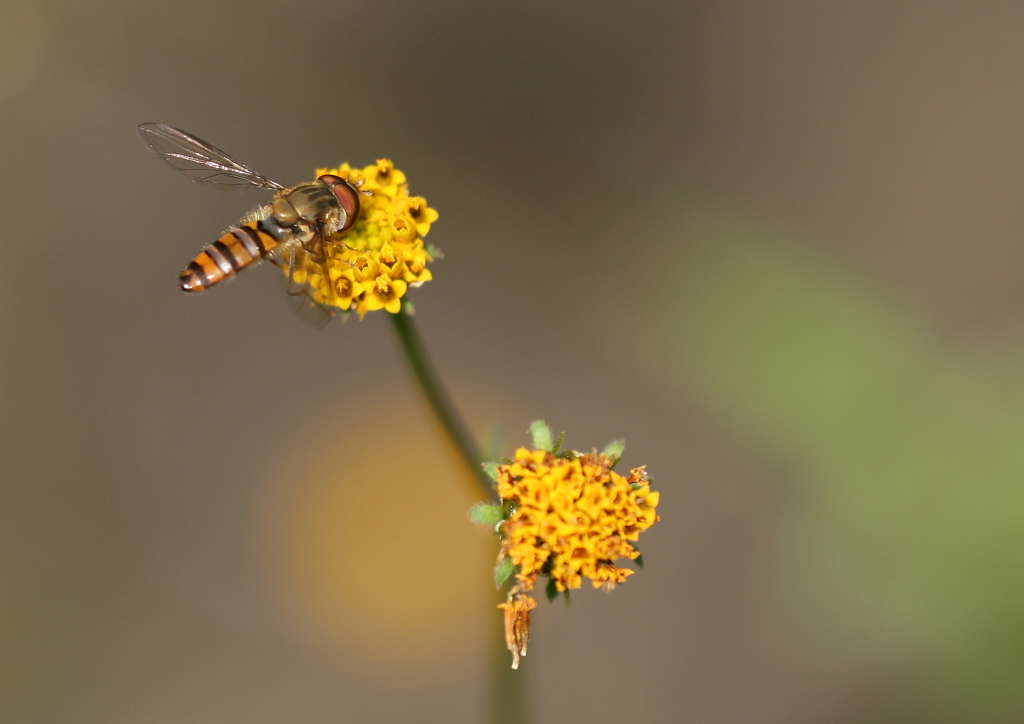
{"x":347,"y":195}
{"x":285,"y":212}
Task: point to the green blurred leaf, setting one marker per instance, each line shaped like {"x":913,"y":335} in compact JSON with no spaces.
{"x":551,"y":590}
{"x":492,"y":470}
{"x":541,"y":433}
{"x":486,"y":514}
{"x":614,"y":449}
{"x":907,"y":526}
{"x":503,"y":571}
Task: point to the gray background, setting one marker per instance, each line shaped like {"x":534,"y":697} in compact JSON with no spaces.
{"x":775,"y":246}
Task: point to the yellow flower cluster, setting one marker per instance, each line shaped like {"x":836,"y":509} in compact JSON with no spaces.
{"x":573,"y":517}
{"x":372,"y":265}
{"x":565,"y":516}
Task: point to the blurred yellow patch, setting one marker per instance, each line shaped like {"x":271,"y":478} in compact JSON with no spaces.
{"x":368,"y":545}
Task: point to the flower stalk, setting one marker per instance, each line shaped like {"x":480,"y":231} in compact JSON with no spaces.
{"x":439,"y":400}
{"x":509,"y":702}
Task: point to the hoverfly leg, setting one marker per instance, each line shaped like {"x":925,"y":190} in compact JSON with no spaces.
{"x":346,"y":261}
{"x":293,"y":289}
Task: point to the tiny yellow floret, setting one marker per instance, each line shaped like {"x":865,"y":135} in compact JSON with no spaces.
{"x":372,"y":265}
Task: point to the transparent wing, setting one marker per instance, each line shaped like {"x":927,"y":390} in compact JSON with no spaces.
{"x":199,"y":161}
{"x":300,"y":296}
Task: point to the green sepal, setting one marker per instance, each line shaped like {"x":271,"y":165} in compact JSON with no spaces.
{"x":551,"y":590}
{"x":639,"y":560}
{"x":541,"y":436}
{"x":568,"y":598}
{"x":492,"y":470}
{"x":486,"y":514}
{"x":503,"y":571}
{"x":558,"y":443}
{"x":614,"y":450}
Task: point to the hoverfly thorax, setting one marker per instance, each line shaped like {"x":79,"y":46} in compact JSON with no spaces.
{"x":310,"y":203}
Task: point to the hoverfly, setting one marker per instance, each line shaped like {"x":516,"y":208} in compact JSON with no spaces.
{"x":292,"y":231}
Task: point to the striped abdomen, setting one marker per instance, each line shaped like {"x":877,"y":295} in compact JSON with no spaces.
{"x":231,"y":253}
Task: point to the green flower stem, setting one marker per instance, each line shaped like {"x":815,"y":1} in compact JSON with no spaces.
{"x":509,"y":693}
{"x":439,"y":400}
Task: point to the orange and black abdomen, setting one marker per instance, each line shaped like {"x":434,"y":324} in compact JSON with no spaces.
{"x":231,"y":253}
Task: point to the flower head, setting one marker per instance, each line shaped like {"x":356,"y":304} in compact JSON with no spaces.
{"x":565,"y":516}
{"x":573,"y":517}
{"x":372,"y":265}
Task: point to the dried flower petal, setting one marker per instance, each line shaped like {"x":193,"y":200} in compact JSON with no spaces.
{"x":517,"y":624}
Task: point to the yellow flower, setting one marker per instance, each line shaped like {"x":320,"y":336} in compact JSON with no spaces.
{"x":391,"y":262}
{"x":344,"y":285}
{"x":588,"y":511}
{"x":567,"y":516}
{"x":372,"y":265}
{"x":364,"y":267}
{"x":416,"y":271}
{"x":385,"y":293}
{"x":421,"y":214}
{"x":384,"y":176}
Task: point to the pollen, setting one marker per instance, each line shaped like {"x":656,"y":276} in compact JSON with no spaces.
{"x":373,"y":264}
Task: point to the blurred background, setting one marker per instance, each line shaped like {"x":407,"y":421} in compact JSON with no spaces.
{"x":777,"y":247}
